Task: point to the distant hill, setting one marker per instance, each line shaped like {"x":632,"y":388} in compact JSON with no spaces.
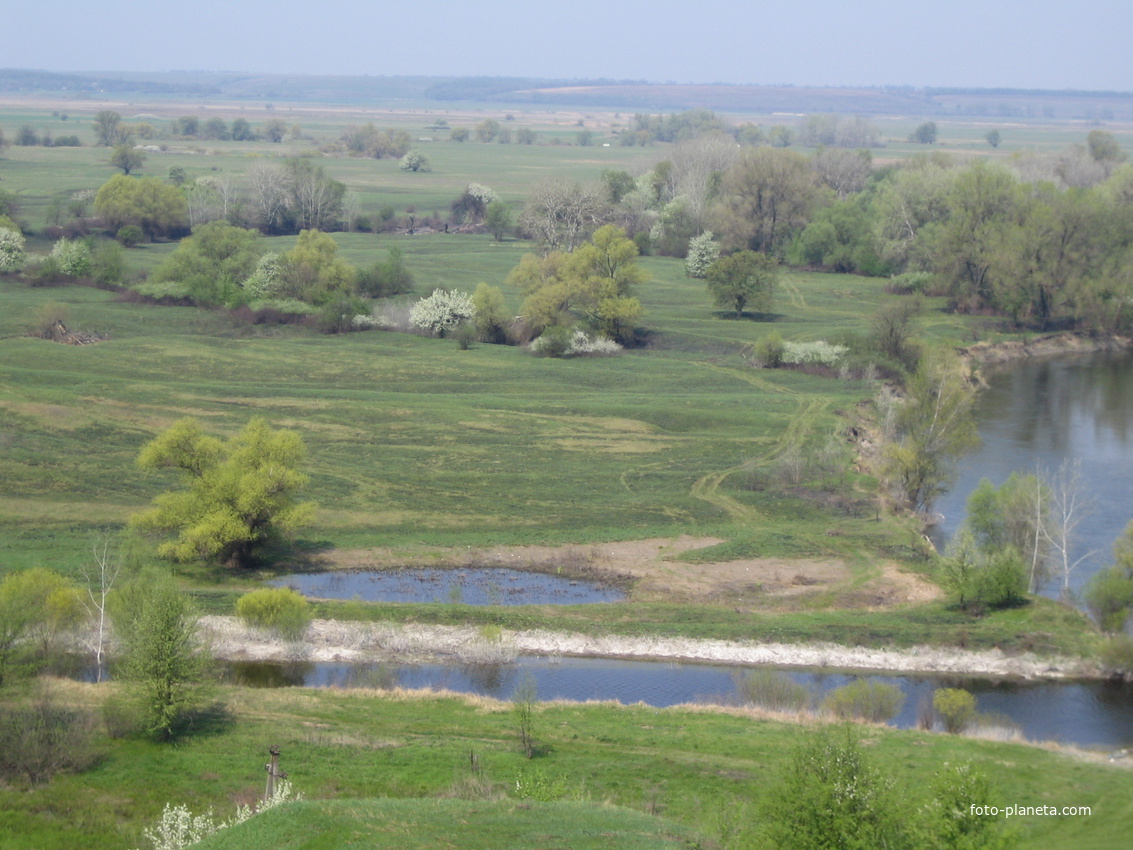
{"x":626,"y":95}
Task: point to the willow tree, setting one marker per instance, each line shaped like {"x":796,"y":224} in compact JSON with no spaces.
{"x":235,"y":495}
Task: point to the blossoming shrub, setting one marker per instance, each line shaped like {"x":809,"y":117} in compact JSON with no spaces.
{"x":819,"y":351}
{"x":442,"y":311}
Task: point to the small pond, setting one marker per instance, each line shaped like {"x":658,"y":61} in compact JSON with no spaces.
{"x":470,"y":586}
{"x":1090,"y":714}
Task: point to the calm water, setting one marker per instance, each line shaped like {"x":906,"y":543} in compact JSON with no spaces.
{"x":472,"y":586}
{"x":1092,"y":714}
{"x":1040,"y":413}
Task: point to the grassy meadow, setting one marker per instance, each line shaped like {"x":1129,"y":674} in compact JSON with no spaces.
{"x":393,"y":769}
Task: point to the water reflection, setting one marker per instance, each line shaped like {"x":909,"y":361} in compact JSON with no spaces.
{"x":1096,"y":714}
{"x":470,"y":586}
{"x":1040,"y":413}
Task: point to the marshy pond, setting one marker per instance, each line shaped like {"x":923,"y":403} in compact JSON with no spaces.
{"x":468,"y":585}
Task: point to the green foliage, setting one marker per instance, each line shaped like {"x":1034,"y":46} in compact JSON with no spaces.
{"x":934,"y":428}
{"x":130,"y":235}
{"x":280,"y":610}
{"x":161,"y":661}
{"x":42,"y":738}
{"x":156,"y":207}
{"x":491,"y":314}
{"x":955,"y":707}
{"x":769,"y":350}
{"x":1109,"y":596}
{"x":313,"y":271}
{"x":830,"y":796}
{"x":108,"y":264}
{"x":957,"y":815}
{"x":596,"y":281}
{"x":1116,"y":655}
{"x":865,"y":700}
{"x":524,"y":702}
{"x":386,"y":278}
{"x":213,"y":263}
{"x":1017,"y":514}
{"x":498,"y":219}
{"x":127,"y":158}
{"x":925,"y":134}
{"x":980,"y":578}
{"x":36,"y":607}
{"x":236,"y":495}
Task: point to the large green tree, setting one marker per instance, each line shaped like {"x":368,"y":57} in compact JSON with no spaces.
{"x":235,"y":495}
{"x":156,"y":207}
{"x":213,"y":262}
{"x":767,"y":196}
{"x":743,"y":279}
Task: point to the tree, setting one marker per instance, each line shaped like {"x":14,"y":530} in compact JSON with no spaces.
{"x":415,"y":161}
{"x":561,"y":213}
{"x":498,"y":219}
{"x":742,"y":279}
{"x":766,"y":197}
{"x":312,"y":270}
{"x":156,"y":207}
{"x":487,"y":130}
{"x":1017,"y":514}
{"x":1109,"y":593}
{"x":36,"y":606}
{"x":491,"y":316}
{"x":925,"y":134}
{"x":1104,"y":147}
{"x":315,"y":198}
{"x":109,"y":130}
{"x":934,"y":426}
{"x":1068,"y":506}
{"x":213,"y":262}
{"x":442,"y":312}
{"x":993,"y":138}
{"x":161,"y":662}
{"x":459,"y":134}
{"x":980,"y":576}
{"x":267,"y":185}
{"x":386,"y":277}
{"x":13,"y":251}
{"x":216,"y":128}
{"x":127,"y":158}
{"x":242,"y":131}
{"x":703,"y":251}
{"x":274,"y":130}
{"x":99,"y":576}
{"x":235,"y":495}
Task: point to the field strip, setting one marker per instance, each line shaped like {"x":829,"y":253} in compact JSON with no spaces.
{"x":797,"y":299}
{"x":748,"y":376}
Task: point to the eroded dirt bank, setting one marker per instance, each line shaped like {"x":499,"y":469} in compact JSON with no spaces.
{"x":334,"y":641}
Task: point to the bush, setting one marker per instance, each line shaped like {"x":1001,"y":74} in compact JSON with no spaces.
{"x":773,"y":690}
{"x":42,"y":739}
{"x":769,"y":351}
{"x":279,"y":610}
{"x":820,"y":351}
{"x":955,"y":707}
{"x":1117,"y":655}
{"x":442,"y":312}
{"x":872,"y":702}
{"x":130,"y":235}
{"x":107,"y":265}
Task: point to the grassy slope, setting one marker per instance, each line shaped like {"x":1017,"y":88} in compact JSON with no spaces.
{"x":705,"y":771}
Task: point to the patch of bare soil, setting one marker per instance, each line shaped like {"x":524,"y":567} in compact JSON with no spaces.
{"x":649,"y":569}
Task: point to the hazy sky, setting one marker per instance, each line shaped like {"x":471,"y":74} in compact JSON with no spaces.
{"x":1057,"y":44}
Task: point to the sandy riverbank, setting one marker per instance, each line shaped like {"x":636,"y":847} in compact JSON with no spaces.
{"x":334,"y":641}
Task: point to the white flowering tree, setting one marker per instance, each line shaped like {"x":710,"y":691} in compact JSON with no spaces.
{"x":442,"y":312}
{"x":703,"y":251}
{"x":415,"y":161}
{"x":13,"y":254}
{"x":73,"y":257}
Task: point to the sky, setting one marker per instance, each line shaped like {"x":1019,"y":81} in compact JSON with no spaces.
{"x":1050,"y":44}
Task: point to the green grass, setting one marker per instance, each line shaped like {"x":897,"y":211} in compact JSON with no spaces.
{"x":427,"y":824}
{"x":704,"y":771}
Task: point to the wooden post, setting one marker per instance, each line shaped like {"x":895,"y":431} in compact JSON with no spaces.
{"x":274,"y":772}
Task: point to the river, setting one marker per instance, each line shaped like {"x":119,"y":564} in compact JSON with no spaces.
{"x":1039,"y":413}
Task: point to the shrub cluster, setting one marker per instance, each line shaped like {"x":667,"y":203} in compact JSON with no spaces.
{"x":279,"y":610}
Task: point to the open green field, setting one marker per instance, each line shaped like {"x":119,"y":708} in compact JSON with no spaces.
{"x":350,"y":751}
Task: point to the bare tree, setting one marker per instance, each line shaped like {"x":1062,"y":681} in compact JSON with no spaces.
{"x":267,"y":186}
{"x":844,"y":171}
{"x":1068,"y":508}
{"x":698,"y":166}
{"x":561,"y":213}
{"x":99,"y":576}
